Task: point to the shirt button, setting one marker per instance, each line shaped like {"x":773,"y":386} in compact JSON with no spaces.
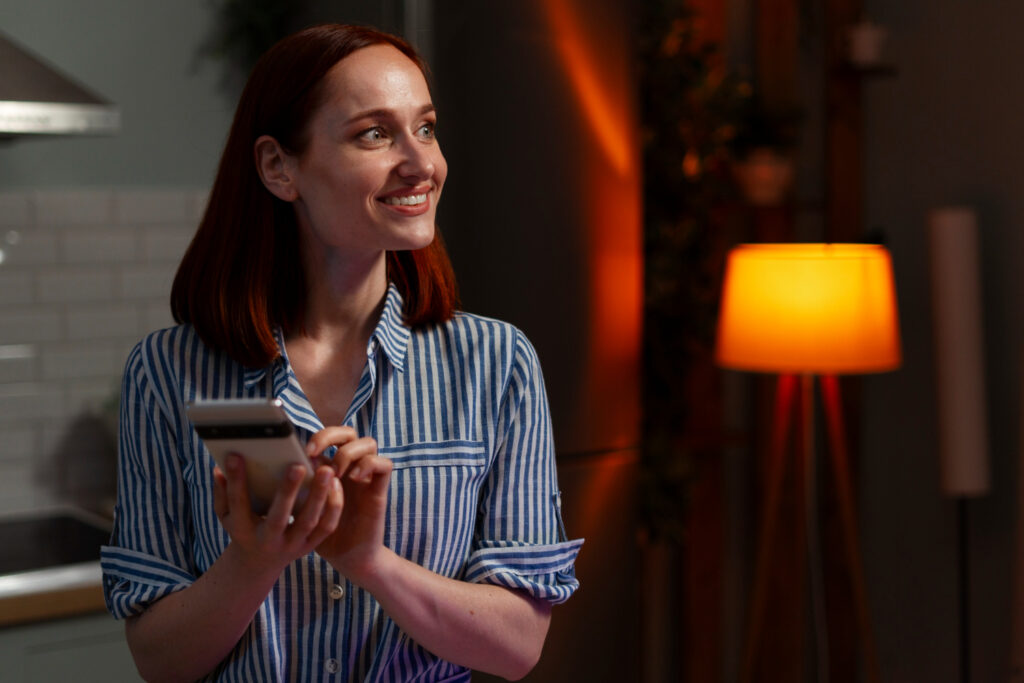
{"x":332,"y":666}
{"x":337,"y":591}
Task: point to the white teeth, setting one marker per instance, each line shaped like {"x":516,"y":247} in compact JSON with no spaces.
{"x":409,"y":200}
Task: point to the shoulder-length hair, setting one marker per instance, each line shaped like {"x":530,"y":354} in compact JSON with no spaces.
{"x":242,"y":275}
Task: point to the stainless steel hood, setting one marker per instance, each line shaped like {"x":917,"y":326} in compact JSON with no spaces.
{"x":35,"y":99}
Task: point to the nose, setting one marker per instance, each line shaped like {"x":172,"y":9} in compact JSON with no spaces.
{"x":418,"y":160}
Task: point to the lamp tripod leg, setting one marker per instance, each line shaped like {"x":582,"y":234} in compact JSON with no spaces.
{"x":844,"y":491}
{"x":812,"y":531}
{"x":769,"y":521}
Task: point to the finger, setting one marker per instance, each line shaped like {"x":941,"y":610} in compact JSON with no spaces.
{"x":307,"y":518}
{"x":236,"y":486}
{"x":331,"y":514}
{"x":353,"y":452}
{"x":381,"y":479}
{"x":330,"y":436}
{"x":372,"y":468}
{"x":280,"y":511}
{"x":220,"y":493}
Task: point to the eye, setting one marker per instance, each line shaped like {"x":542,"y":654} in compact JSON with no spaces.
{"x":373,"y":135}
{"x":428,"y":131}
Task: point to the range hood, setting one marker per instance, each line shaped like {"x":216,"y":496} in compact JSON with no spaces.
{"x":36,"y":99}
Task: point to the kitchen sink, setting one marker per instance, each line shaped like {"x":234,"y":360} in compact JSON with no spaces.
{"x":50,"y":563}
{"x":53,"y":540}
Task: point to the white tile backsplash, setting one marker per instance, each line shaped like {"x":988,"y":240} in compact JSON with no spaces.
{"x":113,"y":321}
{"x":75,"y":285}
{"x":93,"y":245}
{"x":20,"y":402}
{"x":20,"y":325}
{"x":74,"y":207}
{"x":15,"y":209}
{"x":19,"y":443}
{"x":157,"y":316}
{"x":142,"y":207}
{"x":29,"y":247}
{"x":17,"y":370}
{"x":197,"y":205}
{"x":84,"y":274}
{"x":165,"y":244}
{"x":147,"y":282}
{"x":15,"y":287}
{"x":76,"y":362}
{"x":19,"y":486}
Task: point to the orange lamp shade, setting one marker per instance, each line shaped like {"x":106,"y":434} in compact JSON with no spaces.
{"x":808,"y":308}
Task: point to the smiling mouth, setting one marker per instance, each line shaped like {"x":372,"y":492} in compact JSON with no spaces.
{"x":408,"y":200}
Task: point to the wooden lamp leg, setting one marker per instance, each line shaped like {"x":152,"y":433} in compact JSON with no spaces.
{"x":770,"y":504}
{"x":844,"y":491}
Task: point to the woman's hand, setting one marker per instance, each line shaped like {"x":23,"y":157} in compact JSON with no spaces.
{"x":272,"y":542}
{"x":358,"y":540}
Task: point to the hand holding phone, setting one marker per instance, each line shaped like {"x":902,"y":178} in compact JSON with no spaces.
{"x":259,"y":430}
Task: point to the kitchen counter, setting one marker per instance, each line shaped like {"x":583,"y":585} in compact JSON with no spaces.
{"x":49,"y":565}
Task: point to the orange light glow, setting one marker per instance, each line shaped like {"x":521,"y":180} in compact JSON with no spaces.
{"x":818,"y":308}
{"x":589,"y":49}
{"x":603,"y":108}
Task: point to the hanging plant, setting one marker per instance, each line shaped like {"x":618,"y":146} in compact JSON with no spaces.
{"x":691,"y":108}
{"x":245,"y":29}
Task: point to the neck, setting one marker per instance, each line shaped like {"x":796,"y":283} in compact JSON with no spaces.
{"x":344,"y":296}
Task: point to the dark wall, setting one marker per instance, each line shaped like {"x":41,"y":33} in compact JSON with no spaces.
{"x":542,"y":218}
{"x":943,"y":130}
{"x":542,"y":223}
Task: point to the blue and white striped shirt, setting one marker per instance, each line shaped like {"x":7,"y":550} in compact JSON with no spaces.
{"x":461,"y":411}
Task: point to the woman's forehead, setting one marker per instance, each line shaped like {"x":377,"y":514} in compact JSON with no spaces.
{"x":376,"y":77}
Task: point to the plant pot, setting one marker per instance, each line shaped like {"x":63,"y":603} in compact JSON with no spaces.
{"x":765,"y":176}
{"x":864,"y":42}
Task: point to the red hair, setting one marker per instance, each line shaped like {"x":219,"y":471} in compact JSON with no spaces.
{"x":242,"y":275}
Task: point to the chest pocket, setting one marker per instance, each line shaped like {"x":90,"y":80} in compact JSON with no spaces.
{"x":432,"y":502}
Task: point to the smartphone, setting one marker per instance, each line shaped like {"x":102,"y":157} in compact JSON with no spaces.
{"x":259,"y":430}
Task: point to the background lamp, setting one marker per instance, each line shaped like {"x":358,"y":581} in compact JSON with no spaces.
{"x":808,"y":310}
{"x":818,"y":308}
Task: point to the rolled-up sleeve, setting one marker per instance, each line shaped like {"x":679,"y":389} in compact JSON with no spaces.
{"x":520,"y":539}
{"x":147,"y":557}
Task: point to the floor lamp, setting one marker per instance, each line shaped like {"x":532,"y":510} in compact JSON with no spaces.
{"x":805,"y":311}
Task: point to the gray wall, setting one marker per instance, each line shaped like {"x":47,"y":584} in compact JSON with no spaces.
{"x":943,"y":131}
{"x":148,"y":57}
{"x":142,"y":55}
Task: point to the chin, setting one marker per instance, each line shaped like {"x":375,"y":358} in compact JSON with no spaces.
{"x":416,"y":239}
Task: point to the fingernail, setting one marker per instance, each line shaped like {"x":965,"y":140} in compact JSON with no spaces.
{"x":311,"y":448}
{"x":295,"y":473}
{"x":337,"y":484}
{"x":355,"y":472}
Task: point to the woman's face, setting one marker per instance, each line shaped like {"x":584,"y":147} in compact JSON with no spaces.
{"x":371,"y":175}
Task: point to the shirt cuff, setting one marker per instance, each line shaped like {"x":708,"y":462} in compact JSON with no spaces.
{"x":132,"y":580}
{"x":543,"y":571}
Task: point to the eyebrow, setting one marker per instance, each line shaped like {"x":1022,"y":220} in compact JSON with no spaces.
{"x":388,"y":113}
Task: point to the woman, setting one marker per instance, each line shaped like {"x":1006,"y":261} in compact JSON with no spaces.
{"x":430,"y":541}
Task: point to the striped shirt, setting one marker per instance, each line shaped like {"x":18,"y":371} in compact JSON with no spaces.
{"x":458,"y":407}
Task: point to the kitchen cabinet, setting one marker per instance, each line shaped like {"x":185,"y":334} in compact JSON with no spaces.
{"x":84,"y":649}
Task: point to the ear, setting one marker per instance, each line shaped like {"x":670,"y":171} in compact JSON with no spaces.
{"x":274,"y":166}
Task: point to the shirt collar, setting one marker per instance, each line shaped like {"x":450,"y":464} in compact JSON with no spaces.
{"x":253,"y":376}
{"x":391,"y":334}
